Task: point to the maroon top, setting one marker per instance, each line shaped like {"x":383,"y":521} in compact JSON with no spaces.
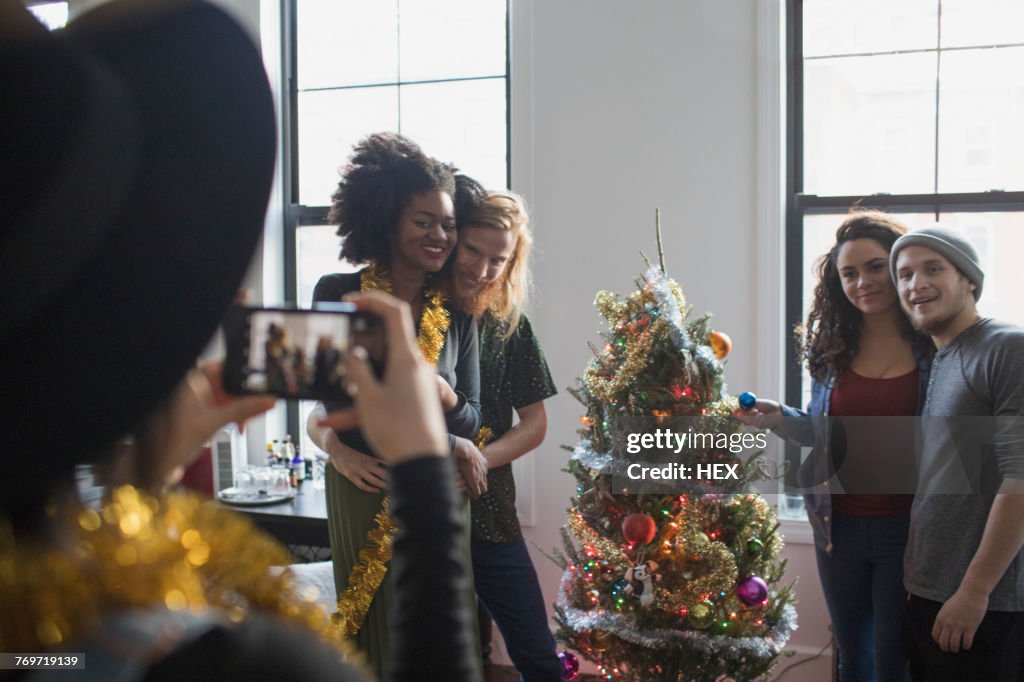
{"x":873,"y":450}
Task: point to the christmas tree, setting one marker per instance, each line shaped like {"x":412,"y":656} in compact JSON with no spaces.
{"x":675,"y":578}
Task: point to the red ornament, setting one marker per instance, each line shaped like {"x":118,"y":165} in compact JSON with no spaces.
{"x":639,"y":529}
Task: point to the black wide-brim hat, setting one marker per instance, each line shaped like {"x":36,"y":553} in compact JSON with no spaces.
{"x":136,"y":158}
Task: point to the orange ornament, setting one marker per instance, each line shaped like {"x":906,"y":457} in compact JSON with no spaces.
{"x":720,"y":343}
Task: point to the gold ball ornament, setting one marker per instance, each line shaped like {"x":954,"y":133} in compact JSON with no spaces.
{"x":720,"y":343}
{"x":600,"y":640}
{"x":699,"y":539}
{"x":701,"y":616}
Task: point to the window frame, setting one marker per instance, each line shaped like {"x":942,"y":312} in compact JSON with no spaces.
{"x":297,"y":215}
{"x":800,"y":204}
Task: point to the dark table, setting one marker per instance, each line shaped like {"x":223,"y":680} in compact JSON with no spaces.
{"x":301,"y":521}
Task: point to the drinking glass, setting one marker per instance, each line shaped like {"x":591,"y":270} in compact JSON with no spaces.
{"x":243,"y":480}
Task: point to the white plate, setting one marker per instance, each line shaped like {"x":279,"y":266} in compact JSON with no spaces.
{"x":252,"y":499}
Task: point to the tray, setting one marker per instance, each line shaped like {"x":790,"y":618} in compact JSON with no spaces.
{"x":252,"y":499}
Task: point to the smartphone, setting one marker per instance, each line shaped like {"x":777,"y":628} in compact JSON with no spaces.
{"x":298,"y":354}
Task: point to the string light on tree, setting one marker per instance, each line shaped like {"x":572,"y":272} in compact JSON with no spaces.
{"x":676,"y":583}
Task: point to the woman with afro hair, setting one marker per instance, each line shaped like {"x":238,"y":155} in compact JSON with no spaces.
{"x":394,"y":211}
{"x":865,"y":361}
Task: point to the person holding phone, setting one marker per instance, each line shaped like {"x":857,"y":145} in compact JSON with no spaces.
{"x":118,"y":144}
{"x":490,"y":280}
{"x":865,"y":360}
{"x":394,"y":212}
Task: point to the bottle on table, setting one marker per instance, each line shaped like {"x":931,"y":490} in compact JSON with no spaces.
{"x":295,"y":462}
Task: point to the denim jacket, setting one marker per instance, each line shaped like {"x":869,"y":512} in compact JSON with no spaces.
{"x":813,"y":428}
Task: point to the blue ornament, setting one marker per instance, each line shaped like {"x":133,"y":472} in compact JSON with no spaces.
{"x":747,"y":400}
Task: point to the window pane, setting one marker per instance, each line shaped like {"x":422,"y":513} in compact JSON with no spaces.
{"x":330,"y":123}
{"x":999,"y":241}
{"x":452,"y":39}
{"x":968,"y":23}
{"x":346,"y":42}
{"x":461,"y":122}
{"x":981,"y":106}
{"x":53,"y":15}
{"x":316,"y":254}
{"x":833,"y":27}
{"x":869,"y":125}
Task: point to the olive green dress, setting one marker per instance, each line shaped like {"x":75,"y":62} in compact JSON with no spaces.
{"x":351,"y":512}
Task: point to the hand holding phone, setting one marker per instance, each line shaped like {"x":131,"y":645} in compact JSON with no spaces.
{"x":398,"y":411}
{"x":298,"y":354}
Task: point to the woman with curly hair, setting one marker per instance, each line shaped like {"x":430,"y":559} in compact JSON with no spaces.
{"x":865,"y":360}
{"x":394,"y":212}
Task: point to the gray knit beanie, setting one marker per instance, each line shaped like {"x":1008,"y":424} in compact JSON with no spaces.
{"x":955,"y":248}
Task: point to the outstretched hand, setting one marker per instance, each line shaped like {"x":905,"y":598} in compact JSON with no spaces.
{"x":766,"y":414}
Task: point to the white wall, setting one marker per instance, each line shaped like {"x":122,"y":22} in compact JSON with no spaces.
{"x":618,"y":108}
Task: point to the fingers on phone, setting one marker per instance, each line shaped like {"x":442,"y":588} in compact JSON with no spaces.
{"x":358,"y":371}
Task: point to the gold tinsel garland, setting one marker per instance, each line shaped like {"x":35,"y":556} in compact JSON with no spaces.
{"x":717,"y":568}
{"x":687,"y":549}
{"x":434,"y":321}
{"x":178,"y":551}
{"x":608,"y":550}
{"x":367,"y":574}
{"x":636,"y":358}
{"x":484,"y":436}
{"x":372,"y":565}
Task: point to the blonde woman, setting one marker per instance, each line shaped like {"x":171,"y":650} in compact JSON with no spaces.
{"x":490,"y":278}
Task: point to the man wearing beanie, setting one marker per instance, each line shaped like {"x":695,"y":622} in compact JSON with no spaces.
{"x":964,"y":566}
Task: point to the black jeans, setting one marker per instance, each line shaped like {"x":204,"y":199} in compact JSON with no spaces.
{"x":997,"y":654}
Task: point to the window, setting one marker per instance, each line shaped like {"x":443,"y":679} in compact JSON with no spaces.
{"x":435,"y":72}
{"x":912,"y":107}
{"x":53,"y":15}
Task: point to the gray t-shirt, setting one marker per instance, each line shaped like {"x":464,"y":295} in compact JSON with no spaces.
{"x":970,"y":439}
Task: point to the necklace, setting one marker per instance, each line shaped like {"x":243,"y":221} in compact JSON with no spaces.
{"x":434,"y":321}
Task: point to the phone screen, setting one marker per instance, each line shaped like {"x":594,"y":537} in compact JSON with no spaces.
{"x":297,"y":353}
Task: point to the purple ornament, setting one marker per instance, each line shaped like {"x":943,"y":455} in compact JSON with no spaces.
{"x":570,"y":666}
{"x":752,"y":590}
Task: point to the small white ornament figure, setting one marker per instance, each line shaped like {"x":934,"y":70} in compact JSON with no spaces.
{"x":641,"y":579}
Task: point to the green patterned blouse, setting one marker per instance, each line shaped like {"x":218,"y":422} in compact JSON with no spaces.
{"x":513,"y":374}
